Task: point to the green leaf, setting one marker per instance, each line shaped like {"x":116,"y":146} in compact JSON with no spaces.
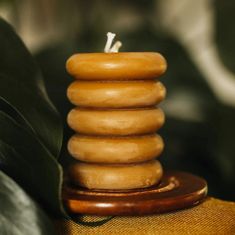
{"x":20,"y":215}
{"x":21,"y":86}
{"x":26,"y":160}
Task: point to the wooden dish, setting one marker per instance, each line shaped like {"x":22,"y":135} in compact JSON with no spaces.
{"x":177,"y":190}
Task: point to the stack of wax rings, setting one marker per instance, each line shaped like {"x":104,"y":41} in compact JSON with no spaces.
{"x":116,"y":119}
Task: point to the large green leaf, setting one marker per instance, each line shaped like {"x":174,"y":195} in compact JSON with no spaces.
{"x":20,"y":215}
{"x":22,"y":87}
{"x":26,"y":160}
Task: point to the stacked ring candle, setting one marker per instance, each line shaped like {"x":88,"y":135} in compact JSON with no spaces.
{"x":116,"y":119}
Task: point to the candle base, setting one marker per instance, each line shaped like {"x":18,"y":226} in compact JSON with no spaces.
{"x":177,"y":190}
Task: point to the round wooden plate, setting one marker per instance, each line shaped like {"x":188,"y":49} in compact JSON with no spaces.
{"x":177,"y":190}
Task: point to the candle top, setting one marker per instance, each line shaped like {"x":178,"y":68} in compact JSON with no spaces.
{"x":116,"y":66}
{"x":113,"y":65}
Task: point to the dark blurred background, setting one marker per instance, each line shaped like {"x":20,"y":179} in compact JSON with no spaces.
{"x":196,"y":37}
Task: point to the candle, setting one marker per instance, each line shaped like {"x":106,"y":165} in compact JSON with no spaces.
{"x":116,"y":118}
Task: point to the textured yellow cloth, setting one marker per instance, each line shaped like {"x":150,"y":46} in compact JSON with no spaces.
{"x":213,"y":216}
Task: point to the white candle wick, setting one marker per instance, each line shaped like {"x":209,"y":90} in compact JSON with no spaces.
{"x":115,"y":47}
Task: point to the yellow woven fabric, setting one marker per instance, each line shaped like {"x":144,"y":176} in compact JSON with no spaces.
{"x":213,"y":216}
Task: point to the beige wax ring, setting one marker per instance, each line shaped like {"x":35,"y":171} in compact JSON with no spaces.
{"x":122,"y":94}
{"x":116,"y":177}
{"x":129,"y":149}
{"x":116,"y":66}
{"x":115,"y":122}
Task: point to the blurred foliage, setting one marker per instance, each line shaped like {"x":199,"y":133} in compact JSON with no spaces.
{"x":20,"y":215}
{"x":225,"y":35}
{"x":204,"y":147}
{"x":30,"y":140}
{"x":21,"y":156}
{"x":21,"y":77}
{"x":31,"y":131}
